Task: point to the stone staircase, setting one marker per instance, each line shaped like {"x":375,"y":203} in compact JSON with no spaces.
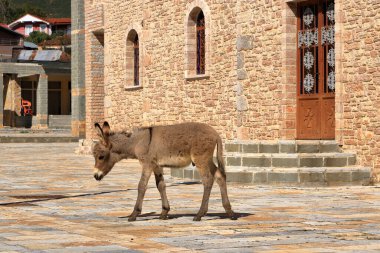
{"x":307,"y":163}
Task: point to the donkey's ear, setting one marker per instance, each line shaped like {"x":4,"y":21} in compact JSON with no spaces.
{"x":99,"y":130}
{"x":106,"y":128}
{"x":106,"y":133}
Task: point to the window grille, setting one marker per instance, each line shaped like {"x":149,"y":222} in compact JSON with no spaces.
{"x":136,"y":60}
{"x":200,"y":43}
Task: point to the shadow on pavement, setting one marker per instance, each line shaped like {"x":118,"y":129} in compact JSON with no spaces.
{"x":155,"y":215}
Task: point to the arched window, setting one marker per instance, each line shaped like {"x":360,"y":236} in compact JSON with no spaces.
{"x":201,"y":43}
{"x":197,"y":45}
{"x":133,"y":59}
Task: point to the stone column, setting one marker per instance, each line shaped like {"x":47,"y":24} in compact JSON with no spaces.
{"x":78,"y":99}
{"x":42,"y":119}
{"x":1,"y":100}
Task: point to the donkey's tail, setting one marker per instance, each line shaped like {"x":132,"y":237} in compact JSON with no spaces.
{"x":219,"y":157}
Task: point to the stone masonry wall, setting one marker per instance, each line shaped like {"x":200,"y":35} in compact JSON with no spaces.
{"x":166,"y":96}
{"x":250,"y":90}
{"x":360,"y":80}
{"x":94,"y":43}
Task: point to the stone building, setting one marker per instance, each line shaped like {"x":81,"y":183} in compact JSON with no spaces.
{"x":41,"y":77}
{"x":265,"y":70}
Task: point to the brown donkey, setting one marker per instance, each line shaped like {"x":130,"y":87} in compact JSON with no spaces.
{"x":173,"y":146}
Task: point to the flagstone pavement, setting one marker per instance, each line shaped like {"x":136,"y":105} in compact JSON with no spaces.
{"x":50,"y":202}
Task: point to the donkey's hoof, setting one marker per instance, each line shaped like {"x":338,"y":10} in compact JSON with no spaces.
{"x":132,"y":218}
{"x":232,"y":215}
{"x":197,"y":218}
{"x":163,"y":217}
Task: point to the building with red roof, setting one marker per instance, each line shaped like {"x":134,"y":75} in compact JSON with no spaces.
{"x":30,"y":23}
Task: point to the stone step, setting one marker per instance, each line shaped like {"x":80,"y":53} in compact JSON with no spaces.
{"x":283,"y":147}
{"x":315,"y":176}
{"x":290,"y":160}
{"x":37,"y":139}
{"x":60,"y":121}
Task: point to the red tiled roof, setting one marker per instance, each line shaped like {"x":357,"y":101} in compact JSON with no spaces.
{"x":59,"y":21}
{"x":6,"y":27}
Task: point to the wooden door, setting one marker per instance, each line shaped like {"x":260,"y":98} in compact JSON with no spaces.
{"x":316,"y":70}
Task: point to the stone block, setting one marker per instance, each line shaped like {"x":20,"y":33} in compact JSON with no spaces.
{"x":329,"y":148}
{"x":337,"y":177}
{"x":241,"y":103}
{"x":268,"y":148}
{"x":240,"y":177}
{"x":244,"y":43}
{"x":351,"y":160}
{"x":233,"y":161}
{"x":260,"y":177}
{"x":196,"y":174}
{"x":311,"y":162}
{"x":232,"y":147}
{"x":241,"y":74}
{"x":285,"y":162}
{"x":282,"y":177}
{"x":177,"y":172}
{"x":361,"y":176}
{"x":287,"y":147}
{"x":308,"y":148}
{"x":240,"y":60}
{"x":250,"y":148}
{"x":311,"y":177}
{"x":256,"y":161}
{"x":188,"y":173}
{"x":335,"y":161}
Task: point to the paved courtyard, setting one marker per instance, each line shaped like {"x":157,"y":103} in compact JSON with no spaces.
{"x":50,"y":202}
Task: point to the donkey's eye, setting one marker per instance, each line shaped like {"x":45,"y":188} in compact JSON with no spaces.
{"x":101,"y":157}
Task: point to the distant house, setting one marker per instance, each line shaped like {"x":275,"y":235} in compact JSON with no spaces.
{"x":60,"y":25}
{"x":9,"y":40}
{"x":29,"y":23}
{"x":41,"y":77}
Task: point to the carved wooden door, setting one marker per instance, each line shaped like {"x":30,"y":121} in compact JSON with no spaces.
{"x":316,"y":70}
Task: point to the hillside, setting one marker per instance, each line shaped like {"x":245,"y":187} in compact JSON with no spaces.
{"x":53,"y":8}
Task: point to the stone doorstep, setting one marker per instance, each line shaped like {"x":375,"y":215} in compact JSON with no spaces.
{"x":31,"y":139}
{"x":283,"y":147}
{"x":318,"y":176}
{"x":290,"y":160}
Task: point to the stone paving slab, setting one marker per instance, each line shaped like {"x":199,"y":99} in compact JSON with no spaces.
{"x":49,"y":202}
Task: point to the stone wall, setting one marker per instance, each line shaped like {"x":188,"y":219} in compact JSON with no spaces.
{"x":360,"y":79}
{"x":94,"y":42}
{"x":249,"y":90}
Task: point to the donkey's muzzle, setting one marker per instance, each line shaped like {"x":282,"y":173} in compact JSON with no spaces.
{"x":98,"y":174}
{"x":98,"y":177}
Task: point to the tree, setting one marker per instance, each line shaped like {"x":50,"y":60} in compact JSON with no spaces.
{"x":8,"y":13}
{"x":37,"y":37}
{"x":4,"y":11}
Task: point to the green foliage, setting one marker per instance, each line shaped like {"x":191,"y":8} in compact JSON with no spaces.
{"x":5,"y":13}
{"x":43,"y":39}
{"x":9,"y":12}
{"x":51,"y":8}
{"x":37,"y":37}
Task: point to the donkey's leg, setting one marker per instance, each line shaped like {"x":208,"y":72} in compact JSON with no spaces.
{"x":207,"y":173}
{"x":145,"y":175}
{"x":161,"y":186}
{"x":221,"y":180}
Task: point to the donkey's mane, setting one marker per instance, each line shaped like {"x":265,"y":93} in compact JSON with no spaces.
{"x":124,"y":132}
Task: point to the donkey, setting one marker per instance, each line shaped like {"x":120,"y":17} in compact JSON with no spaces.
{"x":173,"y":146}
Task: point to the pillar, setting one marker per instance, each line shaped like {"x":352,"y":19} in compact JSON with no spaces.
{"x":42,"y":119}
{"x":1,"y":100}
{"x":78,"y":99}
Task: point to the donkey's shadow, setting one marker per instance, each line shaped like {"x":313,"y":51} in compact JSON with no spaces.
{"x":223,"y":216}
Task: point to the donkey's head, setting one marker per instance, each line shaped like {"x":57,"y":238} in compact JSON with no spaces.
{"x":104,"y":159}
